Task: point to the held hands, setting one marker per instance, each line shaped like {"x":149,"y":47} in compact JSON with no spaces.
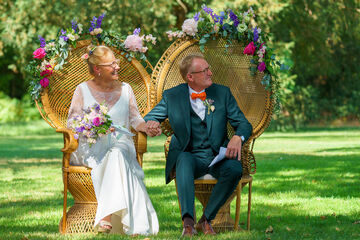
{"x":234,"y":148}
{"x":153,"y":128}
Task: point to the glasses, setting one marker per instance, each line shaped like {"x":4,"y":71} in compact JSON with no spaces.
{"x":113,"y":64}
{"x":205,"y":71}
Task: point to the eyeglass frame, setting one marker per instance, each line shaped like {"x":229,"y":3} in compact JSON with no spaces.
{"x":206,"y":70}
{"x":112,"y":64}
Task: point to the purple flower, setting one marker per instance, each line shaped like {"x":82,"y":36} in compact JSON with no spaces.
{"x":74,"y":25}
{"x":215,"y":17}
{"x":234,"y":18}
{"x":197,"y":16}
{"x":136,"y":31}
{"x":63,"y":35}
{"x":42,"y":41}
{"x":261,"y":66}
{"x":99,"y":20}
{"x":80,"y":129}
{"x":97,"y":108}
{"x":207,"y":9}
{"x":76,"y":136}
{"x":87,"y":126}
{"x":256,"y":34}
{"x":222,"y":17}
{"x":92,"y":22}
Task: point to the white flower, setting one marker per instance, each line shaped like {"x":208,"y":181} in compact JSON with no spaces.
{"x":190,"y":27}
{"x":133,"y":43}
{"x":50,"y":46}
{"x":212,"y":108}
{"x":241,"y":27}
{"x":43,"y":65}
{"x":80,"y":28}
{"x":143,"y":49}
{"x":180,"y":34}
{"x":103,"y":109}
{"x":71,"y":37}
{"x":98,"y":31}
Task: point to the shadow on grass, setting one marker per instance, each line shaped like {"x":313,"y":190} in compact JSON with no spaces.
{"x":288,"y":223}
{"x":31,"y":147}
{"x":323,"y":176}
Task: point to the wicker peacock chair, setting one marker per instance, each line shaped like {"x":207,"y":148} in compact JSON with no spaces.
{"x":54,"y":107}
{"x":230,"y":68}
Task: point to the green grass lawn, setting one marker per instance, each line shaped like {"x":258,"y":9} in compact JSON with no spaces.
{"x":307,"y":186}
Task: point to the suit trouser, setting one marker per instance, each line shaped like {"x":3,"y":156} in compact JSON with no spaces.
{"x":190,"y":166}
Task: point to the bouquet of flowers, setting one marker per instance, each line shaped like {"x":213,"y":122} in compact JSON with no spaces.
{"x":93,"y":124}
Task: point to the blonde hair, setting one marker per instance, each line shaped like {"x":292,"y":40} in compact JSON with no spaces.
{"x":186,"y":63}
{"x":96,"y":56}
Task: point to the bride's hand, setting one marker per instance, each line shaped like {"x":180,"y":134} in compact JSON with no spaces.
{"x":152,"y":128}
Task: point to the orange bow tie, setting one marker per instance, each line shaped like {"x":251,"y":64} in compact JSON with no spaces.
{"x":202,"y":95}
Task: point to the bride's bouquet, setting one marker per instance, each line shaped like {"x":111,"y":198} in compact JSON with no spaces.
{"x":93,"y":124}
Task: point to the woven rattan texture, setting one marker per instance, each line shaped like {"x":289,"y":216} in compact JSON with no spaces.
{"x":64,"y":82}
{"x":80,"y":219}
{"x":229,"y":68}
{"x":80,"y":186}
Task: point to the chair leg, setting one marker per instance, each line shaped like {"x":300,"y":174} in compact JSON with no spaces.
{"x":238,"y":205}
{"x":65,"y":204}
{"x":249,"y":206}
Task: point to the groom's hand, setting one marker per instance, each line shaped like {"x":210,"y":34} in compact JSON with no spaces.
{"x":234,"y":148}
{"x":153,"y":128}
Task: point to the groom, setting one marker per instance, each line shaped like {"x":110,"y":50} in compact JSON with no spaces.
{"x":198,"y":112}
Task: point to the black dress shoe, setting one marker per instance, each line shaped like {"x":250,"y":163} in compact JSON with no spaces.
{"x":188,"y":231}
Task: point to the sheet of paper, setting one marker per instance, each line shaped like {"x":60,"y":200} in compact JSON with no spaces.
{"x":219,"y":157}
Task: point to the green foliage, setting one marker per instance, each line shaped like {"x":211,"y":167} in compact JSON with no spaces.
{"x":324,"y":38}
{"x":14,"y":110}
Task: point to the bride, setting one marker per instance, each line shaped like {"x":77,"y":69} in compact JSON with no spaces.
{"x":123,"y":203}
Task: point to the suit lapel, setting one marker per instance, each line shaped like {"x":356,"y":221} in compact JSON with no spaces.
{"x":209,"y":117}
{"x":185,"y":107}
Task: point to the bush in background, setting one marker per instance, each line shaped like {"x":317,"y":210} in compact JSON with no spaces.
{"x":15,"y":110}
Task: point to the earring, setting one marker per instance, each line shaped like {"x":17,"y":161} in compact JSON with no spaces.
{"x":99,"y":74}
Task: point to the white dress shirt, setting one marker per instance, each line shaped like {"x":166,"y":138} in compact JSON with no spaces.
{"x":199,"y":107}
{"x":197,"y":104}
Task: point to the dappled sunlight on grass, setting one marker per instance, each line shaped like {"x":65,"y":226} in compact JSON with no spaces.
{"x":306,"y":186}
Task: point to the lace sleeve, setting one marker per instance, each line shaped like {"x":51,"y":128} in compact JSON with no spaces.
{"x":134,"y":116}
{"x":76,"y":104}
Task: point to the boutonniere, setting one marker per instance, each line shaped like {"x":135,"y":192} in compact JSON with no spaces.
{"x":208,"y":103}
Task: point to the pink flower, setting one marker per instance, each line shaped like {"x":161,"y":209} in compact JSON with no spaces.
{"x":261,"y":66}
{"x":250,"y":49}
{"x":190,"y":27}
{"x":44,"y":82}
{"x":133,"y":43}
{"x":96,"y":121}
{"x":46,"y":72}
{"x":85,"y":56}
{"x":39,"y":53}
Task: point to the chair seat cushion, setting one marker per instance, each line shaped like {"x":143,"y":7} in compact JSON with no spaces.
{"x":206,"y":177}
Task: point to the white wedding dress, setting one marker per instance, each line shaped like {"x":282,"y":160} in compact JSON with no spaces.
{"x":117,"y":177}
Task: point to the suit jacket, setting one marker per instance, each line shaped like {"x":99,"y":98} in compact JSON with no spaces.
{"x":175,"y":105}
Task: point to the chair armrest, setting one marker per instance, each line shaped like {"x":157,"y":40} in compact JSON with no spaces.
{"x":141,"y":144}
{"x":70,"y":143}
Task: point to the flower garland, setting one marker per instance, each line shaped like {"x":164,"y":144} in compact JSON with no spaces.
{"x":52,"y":55}
{"x":233,"y":25}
